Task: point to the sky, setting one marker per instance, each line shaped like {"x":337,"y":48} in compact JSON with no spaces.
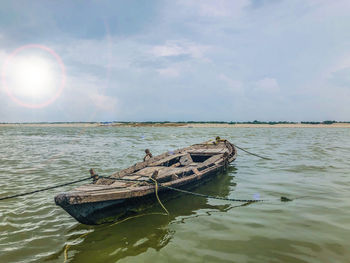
{"x":176,"y":60}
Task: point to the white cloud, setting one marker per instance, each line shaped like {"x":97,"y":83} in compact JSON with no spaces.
{"x":169,"y":72}
{"x":170,"y":49}
{"x":179,"y":47}
{"x":103,"y":102}
{"x":269,"y":85}
{"x":234,"y":86}
{"x":342,"y":63}
{"x":217,"y":8}
{"x":104,"y":53}
{"x":85,"y":98}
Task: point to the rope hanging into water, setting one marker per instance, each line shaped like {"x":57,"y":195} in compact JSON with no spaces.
{"x":121,"y":221}
{"x":160,"y":202}
{"x":44,"y":189}
{"x":257,"y":155}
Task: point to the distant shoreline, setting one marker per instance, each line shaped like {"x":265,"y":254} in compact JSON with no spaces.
{"x":177,"y":124}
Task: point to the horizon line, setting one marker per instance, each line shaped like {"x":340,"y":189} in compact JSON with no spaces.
{"x":225,"y":122}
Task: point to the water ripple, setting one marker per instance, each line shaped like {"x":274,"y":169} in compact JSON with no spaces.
{"x":309,"y":164}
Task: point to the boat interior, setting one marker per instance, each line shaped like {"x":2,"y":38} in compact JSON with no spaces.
{"x":176,"y":166}
{"x":168,"y":167}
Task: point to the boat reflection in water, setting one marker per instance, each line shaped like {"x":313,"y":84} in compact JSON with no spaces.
{"x":148,"y":230}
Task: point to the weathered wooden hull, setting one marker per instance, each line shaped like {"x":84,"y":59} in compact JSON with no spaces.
{"x":95,"y":213}
{"x":114,"y":208}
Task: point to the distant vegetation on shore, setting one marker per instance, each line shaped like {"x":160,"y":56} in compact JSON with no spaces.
{"x":175,"y":123}
{"x":228,"y":122}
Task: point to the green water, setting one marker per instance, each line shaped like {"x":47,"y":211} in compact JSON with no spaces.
{"x":313,"y":163}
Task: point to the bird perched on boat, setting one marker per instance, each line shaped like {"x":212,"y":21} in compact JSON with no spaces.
{"x":148,"y":155}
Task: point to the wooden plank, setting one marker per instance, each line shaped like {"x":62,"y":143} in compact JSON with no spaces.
{"x":195,"y":170}
{"x":132,"y":177}
{"x":166,"y":159}
{"x":197,"y":151}
{"x":118,"y":183}
{"x":90,"y":188}
{"x":148,"y":171}
{"x":172,"y":171}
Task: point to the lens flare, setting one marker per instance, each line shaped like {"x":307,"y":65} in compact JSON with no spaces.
{"x":27,"y":76}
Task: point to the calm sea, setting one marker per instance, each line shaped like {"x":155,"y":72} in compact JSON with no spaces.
{"x":311,"y":164}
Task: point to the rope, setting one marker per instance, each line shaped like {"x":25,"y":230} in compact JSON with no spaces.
{"x":125,"y":219}
{"x":131,"y":217}
{"x":116,"y":223}
{"x":65,"y":184}
{"x":68,"y":245}
{"x":130,"y":180}
{"x":185,"y":191}
{"x":44,"y":189}
{"x":156,"y":186}
{"x":212,"y":197}
{"x":257,"y":155}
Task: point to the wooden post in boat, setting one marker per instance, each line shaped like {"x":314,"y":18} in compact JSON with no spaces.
{"x":94,"y":175}
{"x":155,"y":174}
{"x":148,"y":155}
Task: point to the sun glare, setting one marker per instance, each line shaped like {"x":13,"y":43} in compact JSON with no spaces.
{"x":33,"y":76}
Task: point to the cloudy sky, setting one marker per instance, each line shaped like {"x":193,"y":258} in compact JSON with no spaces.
{"x":234,"y":60}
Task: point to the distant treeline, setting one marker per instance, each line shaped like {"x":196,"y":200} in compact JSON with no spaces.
{"x":323,"y":122}
{"x":187,"y":122}
{"x":53,"y":122}
{"x":230,"y":122}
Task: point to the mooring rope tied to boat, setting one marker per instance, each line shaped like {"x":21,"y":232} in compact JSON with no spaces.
{"x":157,"y":185}
{"x":161,"y":204}
{"x":283,"y":199}
{"x":130,"y":180}
{"x":44,"y":189}
{"x":212,"y":197}
{"x":257,"y":155}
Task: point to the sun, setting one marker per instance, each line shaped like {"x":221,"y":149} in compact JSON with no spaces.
{"x":33,"y":76}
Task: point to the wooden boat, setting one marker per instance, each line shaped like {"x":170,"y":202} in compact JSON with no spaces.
{"x":108,"y":198}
